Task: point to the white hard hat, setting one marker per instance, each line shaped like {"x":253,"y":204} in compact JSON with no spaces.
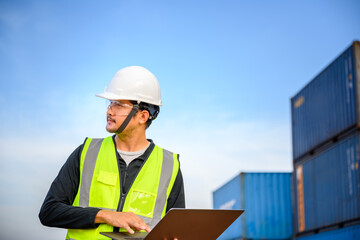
{"x":133,"y":83}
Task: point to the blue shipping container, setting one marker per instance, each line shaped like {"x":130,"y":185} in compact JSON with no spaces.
{"x":266,"y":199}
{"x":328,"y":105}
{"x":347,"y":233}
{"x":328,"y":186}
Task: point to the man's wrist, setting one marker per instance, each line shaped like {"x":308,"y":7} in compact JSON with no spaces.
{"x":101,"y":217}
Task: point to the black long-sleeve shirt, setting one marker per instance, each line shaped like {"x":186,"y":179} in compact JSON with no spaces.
{"x":57,"y":209}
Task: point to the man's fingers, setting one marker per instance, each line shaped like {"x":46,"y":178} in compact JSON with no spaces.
{"x":147,"y":228}
{"x":143,"y":227}
{"x":127,"y":228}
{"x":127,"y":220}
{"x":139,"y":224}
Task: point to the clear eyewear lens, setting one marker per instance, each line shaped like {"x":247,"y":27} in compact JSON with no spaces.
{"x":119,"y":107}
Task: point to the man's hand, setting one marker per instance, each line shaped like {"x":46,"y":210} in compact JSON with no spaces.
{"x":126,"y":220}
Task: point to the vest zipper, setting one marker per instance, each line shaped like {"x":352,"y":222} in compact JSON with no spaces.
{"x":123,"y":195}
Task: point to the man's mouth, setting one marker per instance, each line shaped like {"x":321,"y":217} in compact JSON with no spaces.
{"x":109,"y":119}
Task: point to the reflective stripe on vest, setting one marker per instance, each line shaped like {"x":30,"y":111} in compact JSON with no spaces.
{"x":88,"y":170}
{"x":152,"y":185}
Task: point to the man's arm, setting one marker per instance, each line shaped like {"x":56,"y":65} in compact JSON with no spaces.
{"x":177,"y":196}
{"x":57,"y":209}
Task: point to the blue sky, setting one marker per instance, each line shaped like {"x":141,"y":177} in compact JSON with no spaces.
{"x":227,"y":71}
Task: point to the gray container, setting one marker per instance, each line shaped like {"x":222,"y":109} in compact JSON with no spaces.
{"x":329,"y":105}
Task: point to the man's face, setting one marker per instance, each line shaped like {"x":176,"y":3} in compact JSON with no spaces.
{"x":116,"y":114}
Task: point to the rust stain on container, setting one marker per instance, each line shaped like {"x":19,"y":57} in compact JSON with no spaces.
{"x":300,"y":198}
{"x":299,"y":102}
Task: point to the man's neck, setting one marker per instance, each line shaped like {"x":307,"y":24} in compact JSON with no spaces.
{"x":131,"y":144}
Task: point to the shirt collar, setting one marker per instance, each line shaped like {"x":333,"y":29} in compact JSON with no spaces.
{"x":144,"y":156}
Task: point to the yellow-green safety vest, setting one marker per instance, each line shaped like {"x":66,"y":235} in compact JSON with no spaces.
{"x":100,"y":185}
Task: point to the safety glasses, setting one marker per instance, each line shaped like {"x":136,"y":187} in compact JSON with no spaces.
{"x":118,"y":107}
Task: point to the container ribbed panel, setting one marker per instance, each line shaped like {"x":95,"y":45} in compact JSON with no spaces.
{"x":331,"y":186}
{"x":266,"y":199}
{"x":347,"y":233}
{"x":328,"y":105}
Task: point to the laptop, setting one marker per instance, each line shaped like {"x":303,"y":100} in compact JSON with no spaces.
{"x":188,"y":224}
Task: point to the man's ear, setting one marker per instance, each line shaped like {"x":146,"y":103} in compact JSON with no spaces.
{"x":143,"y":116}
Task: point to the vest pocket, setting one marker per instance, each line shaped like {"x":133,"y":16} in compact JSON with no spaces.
{"x":142,"y":203}
{"x":108,"y":178}
{"x":103,"y":190}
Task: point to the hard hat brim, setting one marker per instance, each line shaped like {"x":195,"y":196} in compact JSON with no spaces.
{"x":112,"y":96}
{"x":109,"y":96}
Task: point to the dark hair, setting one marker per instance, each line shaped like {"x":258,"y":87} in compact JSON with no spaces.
{"x":152,"y":109}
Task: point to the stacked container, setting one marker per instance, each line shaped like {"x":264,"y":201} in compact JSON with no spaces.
{"x":346,"y":233}
{"x":326,"y":148}
{"x":266,"y":199}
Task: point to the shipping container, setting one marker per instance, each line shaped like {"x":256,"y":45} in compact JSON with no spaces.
{"x":347,"y":233}
{"x":266,"y":199}
{"x":327,"y":186}
{"x":329,"y":105}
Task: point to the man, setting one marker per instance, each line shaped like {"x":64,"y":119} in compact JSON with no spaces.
{"x":119,"y":183}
